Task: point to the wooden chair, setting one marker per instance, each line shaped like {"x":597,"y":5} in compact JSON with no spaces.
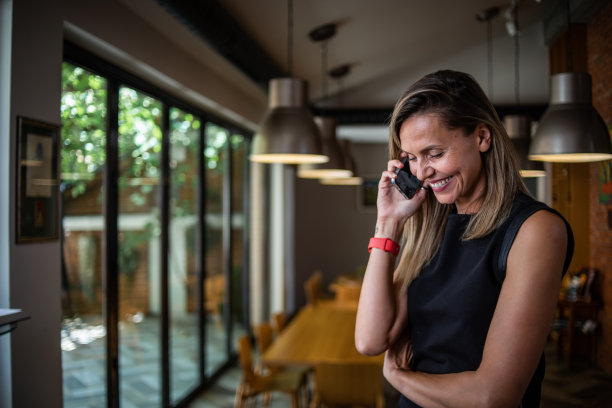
{"x":263,"y":338}
{"x":214,"y":296}
{"x":254,"y":384}
{"x":280,"y":321}
{"x":348,"y":384}
{"x":312,"y":288}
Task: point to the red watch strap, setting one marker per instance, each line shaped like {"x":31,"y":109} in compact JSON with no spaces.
{"x":386,"y":244}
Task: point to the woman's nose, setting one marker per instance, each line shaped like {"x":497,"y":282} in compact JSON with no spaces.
{"x":423,"y":171}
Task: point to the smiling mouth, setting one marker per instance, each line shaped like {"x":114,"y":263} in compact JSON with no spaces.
{"x":441,"y":183}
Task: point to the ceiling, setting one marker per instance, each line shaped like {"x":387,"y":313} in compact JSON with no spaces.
{"x":387,"y":45}
{"x":390,"y":44}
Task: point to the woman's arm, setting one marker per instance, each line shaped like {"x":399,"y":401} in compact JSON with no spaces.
{"x":382,"y":310}
{"x":518,"y":331}
{"x":380,"y":316}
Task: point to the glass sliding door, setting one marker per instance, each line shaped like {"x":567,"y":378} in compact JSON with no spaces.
{"x":83,"y":156}
{"x":139,"y":249}
{"x":153,"y":232}
{"x":184,"y":280}
{"x":215,"y":294}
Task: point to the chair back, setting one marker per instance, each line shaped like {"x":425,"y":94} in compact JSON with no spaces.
{"x":245,"y":355}
{"x":279,"y":322}
{"x":263,"y":336}
{"x":312,"y":287}
{"x":349,"y":384}
{"x":213,"y":291}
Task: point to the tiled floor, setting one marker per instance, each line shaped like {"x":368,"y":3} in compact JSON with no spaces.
{"x":583,"y":386}
{"x":83,"y":361}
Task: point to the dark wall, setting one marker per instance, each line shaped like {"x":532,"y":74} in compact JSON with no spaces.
{"x":332,"y":228}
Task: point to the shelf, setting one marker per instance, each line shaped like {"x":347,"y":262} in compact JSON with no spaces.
{"x":12,"y":316}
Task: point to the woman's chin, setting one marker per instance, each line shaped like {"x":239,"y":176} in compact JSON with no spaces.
{"x":444,"y":198}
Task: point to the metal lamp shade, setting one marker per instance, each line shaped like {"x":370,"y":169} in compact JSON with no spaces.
{"x":354,"y":180}
{"x":571,"y":130}
{"x":287,"y":133}
{"x":336,"y":166}
{"x":519,"y":130}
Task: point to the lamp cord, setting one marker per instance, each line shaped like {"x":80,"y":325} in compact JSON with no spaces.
{"x":324,"y":70}
{"x":290,"y":36}
{"x":569,"y":37}
{"x":490,"y":57}
{"x":516,"y":58}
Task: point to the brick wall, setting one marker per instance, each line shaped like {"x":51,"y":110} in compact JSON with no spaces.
{"x":599,"y":45}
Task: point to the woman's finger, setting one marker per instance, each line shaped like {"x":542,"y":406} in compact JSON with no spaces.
{"x":393,"y":165}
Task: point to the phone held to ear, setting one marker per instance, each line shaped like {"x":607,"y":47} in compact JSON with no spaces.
{"x":406,"y":182}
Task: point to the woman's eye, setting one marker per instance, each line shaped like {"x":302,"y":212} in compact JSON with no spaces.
{"x":436,"y":155}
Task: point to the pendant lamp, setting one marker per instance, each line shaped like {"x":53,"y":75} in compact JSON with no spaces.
{"x":519,"y":130}
{"x":287,"y":134}
{"x":571,"y":130}
{"x":349,"y":161}
{"x":336,"y":166}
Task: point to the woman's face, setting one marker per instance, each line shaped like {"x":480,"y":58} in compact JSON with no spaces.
{"x":448,"y":161}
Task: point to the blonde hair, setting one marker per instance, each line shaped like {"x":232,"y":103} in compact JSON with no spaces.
{"x":459,"y":102}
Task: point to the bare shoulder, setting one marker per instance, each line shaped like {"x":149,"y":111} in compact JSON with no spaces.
{"x":545,"y":226}
{"x":541,"y":242}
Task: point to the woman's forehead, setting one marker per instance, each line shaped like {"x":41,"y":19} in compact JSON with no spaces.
{"x":421,"y":126}
{"x":425,"y":132}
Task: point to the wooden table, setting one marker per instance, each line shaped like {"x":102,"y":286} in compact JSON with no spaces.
{"x":323,"y":333}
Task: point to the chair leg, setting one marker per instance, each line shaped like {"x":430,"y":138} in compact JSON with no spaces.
{"x":308,"y":393}
{"x":303,"y":396}
{"x":295,"y":400}
{"x":266,"y":399}
{"x":239,"y":396}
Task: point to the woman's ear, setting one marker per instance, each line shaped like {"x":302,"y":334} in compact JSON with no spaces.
{"x":483,"y":137}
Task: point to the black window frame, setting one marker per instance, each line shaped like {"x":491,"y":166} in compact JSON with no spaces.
{"x":117,"y":77}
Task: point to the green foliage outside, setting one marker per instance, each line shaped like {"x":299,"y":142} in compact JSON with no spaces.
{"x":83,"y":155}
{"x":139,"y":148}
{"x":83,"y":112}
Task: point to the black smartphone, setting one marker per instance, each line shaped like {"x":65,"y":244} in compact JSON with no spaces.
{"x":406,"y":182}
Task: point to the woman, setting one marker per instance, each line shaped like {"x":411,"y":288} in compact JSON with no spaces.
{"x":465,"y":316}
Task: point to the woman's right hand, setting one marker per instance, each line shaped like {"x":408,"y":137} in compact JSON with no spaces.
{"x":391,"y":204}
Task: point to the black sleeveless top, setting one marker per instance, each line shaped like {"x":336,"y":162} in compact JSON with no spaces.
{"x":452,"y":301}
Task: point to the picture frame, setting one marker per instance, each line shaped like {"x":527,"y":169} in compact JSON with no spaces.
{"x":368,"y":193}
{"x":37,"y":181}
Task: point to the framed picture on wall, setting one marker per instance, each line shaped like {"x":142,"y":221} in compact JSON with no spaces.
{"x":37,"y":181}
{"x":368,"y":193}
